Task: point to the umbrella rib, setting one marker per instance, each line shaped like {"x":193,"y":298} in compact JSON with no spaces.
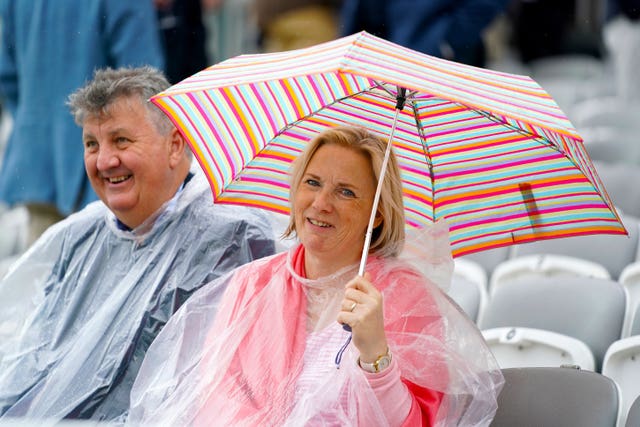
{"x":381,"y":85}
{"x":491,"y":117}
{"x":336,"y":101}
{"x":425,"y":148}
{"x":549,"y":143}
{"x":378,"y":85}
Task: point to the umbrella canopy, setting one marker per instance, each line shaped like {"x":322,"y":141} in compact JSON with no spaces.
{"x":489,"y":152}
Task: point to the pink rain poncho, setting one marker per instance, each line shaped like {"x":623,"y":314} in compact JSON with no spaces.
{"x":261,"y":347}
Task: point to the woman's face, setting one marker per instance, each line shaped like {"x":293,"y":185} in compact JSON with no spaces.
{"x":333,"y":203}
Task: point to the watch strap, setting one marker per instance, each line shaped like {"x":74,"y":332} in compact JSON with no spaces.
{"x":379,"y":365}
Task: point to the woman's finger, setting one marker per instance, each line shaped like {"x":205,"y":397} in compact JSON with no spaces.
{"x":362,"y":312}
{"x":349,"y":305}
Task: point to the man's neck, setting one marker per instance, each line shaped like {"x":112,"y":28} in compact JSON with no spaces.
{"x":124,"y":227}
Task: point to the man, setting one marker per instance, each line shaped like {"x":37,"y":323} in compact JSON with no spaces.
{"x":47,"y":50}
{"x":86,"y":301}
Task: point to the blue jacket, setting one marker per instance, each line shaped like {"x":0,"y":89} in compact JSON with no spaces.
{"x":48,"y":50}
{"x":426,"y":25}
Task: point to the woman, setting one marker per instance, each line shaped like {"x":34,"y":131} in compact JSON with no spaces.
{"x":273,"y":350}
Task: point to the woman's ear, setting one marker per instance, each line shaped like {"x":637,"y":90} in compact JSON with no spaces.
{"x":177,"y":145}
{"x":378,"y":219}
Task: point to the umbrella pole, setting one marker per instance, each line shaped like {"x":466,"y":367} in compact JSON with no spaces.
{"x":374,"y":209}
{"x":401,"y":98}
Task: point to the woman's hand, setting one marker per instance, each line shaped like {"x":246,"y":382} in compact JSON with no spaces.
{"x":362,"y":310}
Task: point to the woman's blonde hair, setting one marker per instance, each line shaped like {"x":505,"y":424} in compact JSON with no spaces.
{"x":388,"y":237}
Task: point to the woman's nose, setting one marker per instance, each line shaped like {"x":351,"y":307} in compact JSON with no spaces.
{"x":322,"y":200}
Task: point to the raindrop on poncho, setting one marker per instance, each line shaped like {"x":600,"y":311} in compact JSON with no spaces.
{"x":81,"y":307}
{"x":263,"y":352}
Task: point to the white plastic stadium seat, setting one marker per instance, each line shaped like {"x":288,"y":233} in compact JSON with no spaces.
{"x":586,"y":308}
{"x":545,"y":265}
{"x":469,"y":287}
{"x":633,"y":416}
{"x":620,"y":179}
{"x":471,"y":270}
{"x":622,"y":364}
{"x":557,"y":397}
{"x":468,"y":295}
{"x":490,"y":258}
{"x":605,"y":111}
{"x":14,"y":227}
{"x":520,"y":347}
{"x":635,"y":322}
{"x":630,"y":278}
{"x":612,"y":251}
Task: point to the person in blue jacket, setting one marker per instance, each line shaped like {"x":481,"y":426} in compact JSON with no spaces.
{"x":449,"y":29}
{"x":48,"y":49}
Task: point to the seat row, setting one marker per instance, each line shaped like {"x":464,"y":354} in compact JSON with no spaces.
{"x":560,"y":396}
{"x":556,"y":320}
{"x":516,"y":347}
{"x":472,"y":286}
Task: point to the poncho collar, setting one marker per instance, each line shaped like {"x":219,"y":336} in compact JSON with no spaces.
{"x":141,"y":233}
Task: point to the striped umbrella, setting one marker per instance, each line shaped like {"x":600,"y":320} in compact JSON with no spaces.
{"x":489,"y":152}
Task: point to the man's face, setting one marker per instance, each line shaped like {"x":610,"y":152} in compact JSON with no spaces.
{"x":130,"y":164}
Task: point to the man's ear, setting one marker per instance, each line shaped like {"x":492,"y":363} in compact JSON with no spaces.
{"x":177,"y":145}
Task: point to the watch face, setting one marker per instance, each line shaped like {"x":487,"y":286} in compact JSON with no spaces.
{"x":382,"y":363}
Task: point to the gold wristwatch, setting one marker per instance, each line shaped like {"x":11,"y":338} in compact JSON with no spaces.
{"x":379,"y":365}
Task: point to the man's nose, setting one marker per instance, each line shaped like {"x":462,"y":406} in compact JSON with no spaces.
{"x":107,"y":157}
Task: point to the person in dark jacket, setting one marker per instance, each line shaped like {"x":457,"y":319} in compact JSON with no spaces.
{"x":449,"y":29}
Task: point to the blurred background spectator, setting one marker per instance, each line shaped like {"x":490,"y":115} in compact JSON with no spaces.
{"x":444,"y":28}
{"x":292,"y":24}
{"x":543,"y":28}
{"x":47,"y":51}
{"x":184,"y":37}
{"x":622,"y":38}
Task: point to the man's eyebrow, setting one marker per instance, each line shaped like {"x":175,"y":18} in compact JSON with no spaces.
{"x":116,"y":131}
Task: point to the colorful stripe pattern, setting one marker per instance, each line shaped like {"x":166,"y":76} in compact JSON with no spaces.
{"x":489,"y":152}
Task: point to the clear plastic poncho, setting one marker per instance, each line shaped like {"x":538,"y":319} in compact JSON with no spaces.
{"x":241,"y":358}
{"x":80,"y":308}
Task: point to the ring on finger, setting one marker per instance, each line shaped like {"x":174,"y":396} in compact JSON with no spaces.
{"x":353,"y":306}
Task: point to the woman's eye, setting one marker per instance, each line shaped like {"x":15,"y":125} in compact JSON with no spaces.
{"x":347,"y":193}
{"x":312,"y":182}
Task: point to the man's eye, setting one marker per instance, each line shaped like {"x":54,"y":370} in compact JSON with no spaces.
{"x":90,"y":144}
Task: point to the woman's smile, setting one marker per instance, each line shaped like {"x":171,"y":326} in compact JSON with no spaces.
{"x":333,"y":204}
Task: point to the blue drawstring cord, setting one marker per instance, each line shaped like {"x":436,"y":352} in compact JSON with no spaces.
{"x":338,"y":358}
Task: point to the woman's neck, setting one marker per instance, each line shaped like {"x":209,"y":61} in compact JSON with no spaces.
{"x":317,"y":267}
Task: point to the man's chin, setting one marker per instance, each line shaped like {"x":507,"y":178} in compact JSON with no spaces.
{"x":119,"y":207}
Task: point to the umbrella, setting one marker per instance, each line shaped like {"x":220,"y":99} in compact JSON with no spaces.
{"x":489,"y":152}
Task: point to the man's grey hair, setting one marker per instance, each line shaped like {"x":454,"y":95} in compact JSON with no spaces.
{"x":109,"y":85}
